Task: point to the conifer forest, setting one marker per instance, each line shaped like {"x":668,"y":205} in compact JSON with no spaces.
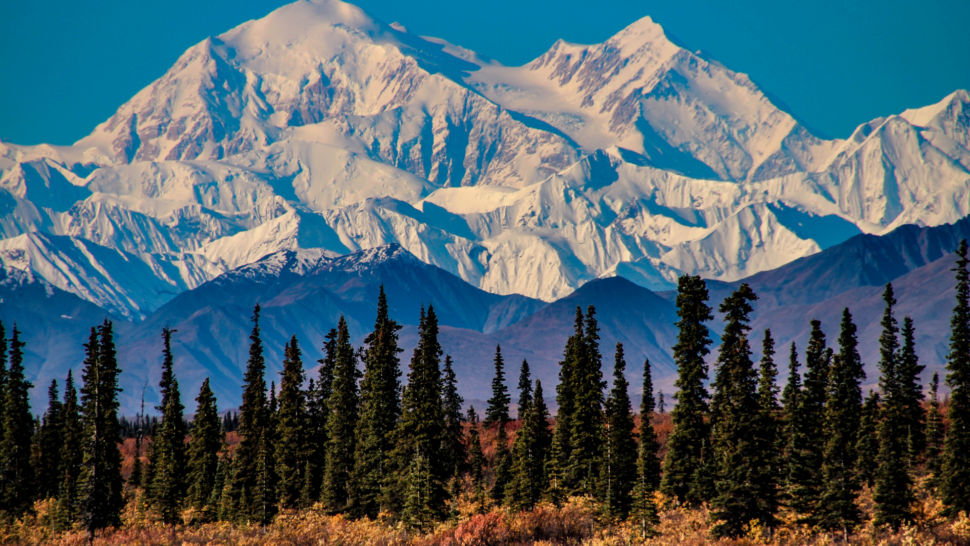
{"x":361,"y":452}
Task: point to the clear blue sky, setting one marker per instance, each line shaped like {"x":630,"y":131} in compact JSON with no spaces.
{"x":65,"y":66}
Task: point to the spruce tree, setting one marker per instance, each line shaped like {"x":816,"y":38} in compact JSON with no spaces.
{"x":934,"y":433}
{"x":684,"y":462}
{"x":47,"y":467}
{"x":100,"y":489}
{"x":806,"y":486}
{"x":843,"y":414}
{"x":769,"y":476}
{"x":529,"y":453}
{"x":498,"y":404}
{"x":525,"y":388}
{"x":71,"y":456}
{"x":644,"y":507}
{"x":795,"y":467}
{"x":168,"y":446}
{"x":344,"y":406}
{"x":586,"y":422}
{"x":618,"y":468}
{"x":317,"y":397}
{"x":291,"y":428}
{"x":565,"y":398}
{"x":453,"y":446}
{"x":420,"y":430}
{"x":867,"y":446}
{"x":501,"y":466}
{"x":476,"y":459}
{"x":911,"y":393}
{"x":16,"y":472}
{"x":955,"y":471}
{"x":253,"y":423}
{"x":419,"y":511}
{"x":380,"y":408}
{"x":3,"y":370}
{"x":203,"y":469}
{"x":893,"y":495}
{"x":735,"y":413}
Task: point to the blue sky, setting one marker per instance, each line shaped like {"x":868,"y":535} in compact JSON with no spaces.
{"x":65,"y":66}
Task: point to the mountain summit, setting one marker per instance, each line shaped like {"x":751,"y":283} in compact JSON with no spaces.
{"x":320,"y":127}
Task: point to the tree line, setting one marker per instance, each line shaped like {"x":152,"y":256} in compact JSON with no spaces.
{"x":359,"y":441}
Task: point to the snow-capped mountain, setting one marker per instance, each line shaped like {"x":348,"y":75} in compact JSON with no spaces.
{"x":320,"y":127}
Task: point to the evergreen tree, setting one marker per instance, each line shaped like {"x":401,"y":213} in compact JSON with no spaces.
{"x":204,"y":468}
{"x":618,"y":468}
{"x":806,"y":485}
{"x":644,"y":507}
{"x":769,"y":476}
{"x":100,"y":490}
{"x":660,"y":403}
{"x":843,"y":414}
{"x":317,"y":397}
{"x":168,"y":447}
{"x":3,"y":371}
{"x":71,"y":456}
{"x":420,"y":430}
{"x":419,"y":511}
{"x":476,"y":459}
{"x":343,"y":405}
{"x":453,"y":446}
{"x":291,"y":433}
{"x":684,"y":462}
{"x":934,"y":432}
{"x":795,"y":467}
{"x":893,"y":495}
{"x":253,"y":424}
{"x":529,"y":453}
{"x":47,"y":467}
{"x":502,"y":466}
{"x":380,"y":408}
{"x":911,"y":393}
{"x":955,"y":472}
{"x":565,"y":398}
{"x":867,"y":446}
{"x":525,"y":388}
{"x":586,"y":422}
{"x":735,"y":412}
{"x":16,"y":472}
{"x":498,"y":404}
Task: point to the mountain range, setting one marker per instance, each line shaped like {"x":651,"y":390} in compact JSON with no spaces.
{"x":318,"y":137}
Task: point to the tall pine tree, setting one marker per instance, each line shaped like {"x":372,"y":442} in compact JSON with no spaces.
{"x":203,"y":453}
{"x":806,"y":487}
{"x":16,"y":472}
{"x":291,"y":427}
{"x":644,"y":507}
{"x":100,"y":489}
{"x":893,"y":495}
{"x":735,"y":413}
{"x":344,"y":406}
{"x":168,"y":446}
{"x":317,"y":397}
{"x":420,"y":430}
{"x":253,"y":424}
{"x":934,"y":432}
{"x":525,"y":388}
{"x":47,"y":467}
{"x":911,"y":393}
{"x":498,"y":404}
{"x":618,"y":468}
{"x":380,"y":408}
{"x":66,"y":509}
{"x":955,"y":472}
{"x":586,"y":421}
{"x":843,"y":414}
{"x":529,"y":453}
{"x":575,"y":350}
{"x":453,"y":445}
{"x":768,"y":477}
{"x":684,"y":464}
{"x":867,"y":445}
